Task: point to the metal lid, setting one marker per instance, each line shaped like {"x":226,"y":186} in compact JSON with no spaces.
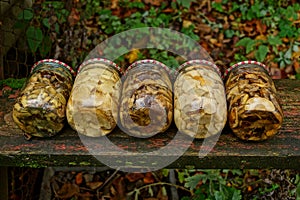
{"x":149,"y":61}
{"x":53,"y":61}
{"x":102,"y":60}
{"x":245,"y":63}
{"x":201,"y":62}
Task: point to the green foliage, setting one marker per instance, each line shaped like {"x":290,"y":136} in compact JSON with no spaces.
{"x":13,"y":83}
{"x":212,"y":185}
{"x":185,"y":3}
{"x":36,"y":26}
{"x":275,"y":16}
{"x":261,"y":50}
{"x":34,"y":38}
{"x":284,"y":59}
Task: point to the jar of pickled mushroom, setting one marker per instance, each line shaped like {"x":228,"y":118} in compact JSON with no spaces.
{"x":146,"y":106}
{"x":199,"y":99}
{"x":40,"y":108}
{"x":254,"y":111}
{"x":92,"y":108}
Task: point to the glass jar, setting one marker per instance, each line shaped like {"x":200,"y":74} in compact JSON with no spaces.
{"x":146,"y":106}
{"x":92,"y":106}
{"x":254,"y":111}
{"x":199,"y":99}
{"x":40,"y":108}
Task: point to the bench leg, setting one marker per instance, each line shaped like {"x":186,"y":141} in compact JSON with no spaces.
{"x":3,"y":183}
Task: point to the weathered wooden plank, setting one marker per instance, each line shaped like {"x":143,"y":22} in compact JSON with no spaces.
{"x":67,"y":148}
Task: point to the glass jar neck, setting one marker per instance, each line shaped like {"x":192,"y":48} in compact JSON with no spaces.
{"x":54,"y":67}
{"x":99,"y":65}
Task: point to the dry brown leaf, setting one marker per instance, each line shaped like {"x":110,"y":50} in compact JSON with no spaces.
{"x":132,"y":177}
{"x":186,"y":23}
{"x":149,"y":178}
{"x":118,"y":188}
{"x":153,"y":2}
{"x":297,"y":67}
{"x":114,"y":4}
{"x":74,"y":17}
{"x":78,"y":179}
{"x":94,"y":185}
{"x":68,"y":190}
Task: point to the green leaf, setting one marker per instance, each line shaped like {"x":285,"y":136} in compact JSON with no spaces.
{"x":250,"y":46}
{"x":217,"y":6}
{"x":45,"y":46}
{"x":20,"y":24}
{"x":185,"y":3}
{"x":243,"y":42}
{"x":165,"y":172}
{"x":27,"y":14}
{"x":218,"y":195}
{"x":181,"y":177}
{"x":274,"y":40}
{"x":34,"y":38}
{"x":288,"y":54}
{"x":46,"y":22}
{"x":229,"y":33}
{"x":237,"y":195}
{"x":261,"y":53}
{"x":192,"y":182}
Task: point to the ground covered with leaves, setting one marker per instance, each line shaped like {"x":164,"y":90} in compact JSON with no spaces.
{"x":164,"y":184}
{"x":230,"y":31}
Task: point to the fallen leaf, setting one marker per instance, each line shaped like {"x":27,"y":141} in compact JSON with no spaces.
{"x":133,"y":177}
{"x":118,"y":188}
{"x":74,"y":17}
{"x":186,"y":23}
{"x":94,"y":185}
{"x":12,"y":96}
{"x":153,"y":2}
{"x":162,"y":195}
{"x":261,"y":37}
{"x":68,"y":190}
{"x":168,"y":10}
{"x":148,"y":178}
{"x":78,"y":178}
{"x":88,"y":177}
{"x":6,"y":88}
{"x":297,"y":67}
{"x":132,"y":55}
{"x":114,"y":4}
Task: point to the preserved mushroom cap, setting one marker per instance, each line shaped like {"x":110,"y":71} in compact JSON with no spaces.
{"x":253,"y":110}
{"x":146,"y":105}
{"x":92,"y":106}
{"x":40,"y":108}
{"x":199,"y":99}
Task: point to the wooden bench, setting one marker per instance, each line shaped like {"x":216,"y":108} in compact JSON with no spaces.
{"x":66,"y":149}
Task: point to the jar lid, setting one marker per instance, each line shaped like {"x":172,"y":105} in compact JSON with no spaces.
{"x":149,"y":61}
{"x":53,"y":61}
{"x":245,"y":63}
{"x":102,"y":60}
{"x":201,"y":62}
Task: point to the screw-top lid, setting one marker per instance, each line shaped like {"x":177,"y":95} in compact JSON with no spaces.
{"x":201,"y":62}
{"x":247,"y":62}
{"x":53,"y":61}
{"x":102,"y":60}
{"x":149,"y":61}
